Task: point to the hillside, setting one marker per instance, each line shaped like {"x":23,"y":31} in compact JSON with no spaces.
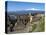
{"x":35,"y":26}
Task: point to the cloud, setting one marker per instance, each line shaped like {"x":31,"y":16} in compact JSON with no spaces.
{"x":27,"y":9}
{"x":33,"y":9}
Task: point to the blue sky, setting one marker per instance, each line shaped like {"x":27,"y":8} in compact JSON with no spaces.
{"x":16,"y":6}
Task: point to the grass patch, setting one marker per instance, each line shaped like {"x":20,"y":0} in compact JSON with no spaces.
{"x":33,"y":27}
{"x":41,"y":27}
{"x":42,"y":24}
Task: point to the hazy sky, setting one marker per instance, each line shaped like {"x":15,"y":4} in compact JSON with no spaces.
{"x":14,"y":6}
